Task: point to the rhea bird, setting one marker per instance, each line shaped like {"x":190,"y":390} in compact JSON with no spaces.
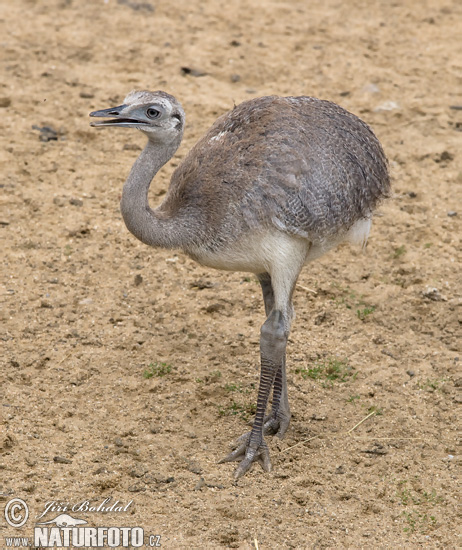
{"x":275,"y":183}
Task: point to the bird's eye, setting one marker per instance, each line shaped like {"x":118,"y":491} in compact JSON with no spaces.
{"x":153,"y":113}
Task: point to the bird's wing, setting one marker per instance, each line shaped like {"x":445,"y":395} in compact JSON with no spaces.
{"x":328,"y":177}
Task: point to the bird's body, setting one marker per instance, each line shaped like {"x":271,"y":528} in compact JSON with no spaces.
{"x":249,"y":175}
{"x":275,"y":183}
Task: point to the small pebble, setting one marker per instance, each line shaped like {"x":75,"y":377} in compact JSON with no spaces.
{"x":131,"y":147}
{"x":61,"y":460}
{"x":76,"y":202}
{"x":138,"y":471}
{"x":386,"y":106}
{"x":136,"y":488}
{"x":433,"y":294}
{"x":192,"y":72}
{"x":411,"y":373}
{"x":47,"y":133}
{"x":199,"y":484}
{"x":452,"y":213}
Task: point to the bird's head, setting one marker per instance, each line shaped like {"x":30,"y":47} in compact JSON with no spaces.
{"x":157,"y":114}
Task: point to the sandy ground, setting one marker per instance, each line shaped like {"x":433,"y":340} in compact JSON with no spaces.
{"x":126,"y":371}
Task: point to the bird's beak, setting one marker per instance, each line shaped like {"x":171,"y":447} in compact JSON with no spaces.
{"x":118,"y":119}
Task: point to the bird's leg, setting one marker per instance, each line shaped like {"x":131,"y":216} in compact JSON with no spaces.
{"x":278,"y":420}
{"x":252,"y":447}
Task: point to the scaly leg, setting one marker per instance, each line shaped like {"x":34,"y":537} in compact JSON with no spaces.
{"x":273,"y":343}
{"x":278,"y":420}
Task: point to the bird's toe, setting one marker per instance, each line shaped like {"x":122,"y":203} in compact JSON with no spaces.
{"x":260,"y":455}
{"x":276,"y":425}
{"x":248,"y":454}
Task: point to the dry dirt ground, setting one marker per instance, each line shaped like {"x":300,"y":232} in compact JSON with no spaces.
{"x":126,"y":371}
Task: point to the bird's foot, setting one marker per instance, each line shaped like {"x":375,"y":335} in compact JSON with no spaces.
{"x":276,"y":424}
{"x":248,"y":453}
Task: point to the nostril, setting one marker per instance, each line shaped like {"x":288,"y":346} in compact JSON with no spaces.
{"x":113,"y":113}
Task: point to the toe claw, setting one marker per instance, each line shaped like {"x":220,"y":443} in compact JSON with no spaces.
{"x":248,"y":455}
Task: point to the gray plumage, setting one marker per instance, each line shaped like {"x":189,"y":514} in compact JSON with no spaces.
{"x":276,"y":182}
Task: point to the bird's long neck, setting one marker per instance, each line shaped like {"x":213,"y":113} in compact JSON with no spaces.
{"x":151,"y":227}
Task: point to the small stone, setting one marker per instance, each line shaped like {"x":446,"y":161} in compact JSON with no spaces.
{"x":138,"y":471}
{"x":458,"y":399}
{"x":5,"y":102}
{"x":136,"y":488}
{"x":76,"y":202}
{"x":131,"y":147}
{"x":86,"y":95}
{"x":199,"y":484}
{"x":235,"y":43}
{"x":376,"y":450}
{"x":137,"y":6}
{"x":433,"y":294}
{"x":29,"y":487}
{"x":47,"y":133}
{"x":192,"y":72}
{"x":118,"y":442}
{"x":61,"y":460}
{"x":59,"y":201}
{"x":411,"y":373}
{"x":340,"y":470}
{"x":235,"y":78}
{"x":445,"y":156}
{"x":194,"y":467}
{"x":387,"y":106}
{"x":452,"y":213}
{"x":201,"y":284}
{"x":137,"y":280}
